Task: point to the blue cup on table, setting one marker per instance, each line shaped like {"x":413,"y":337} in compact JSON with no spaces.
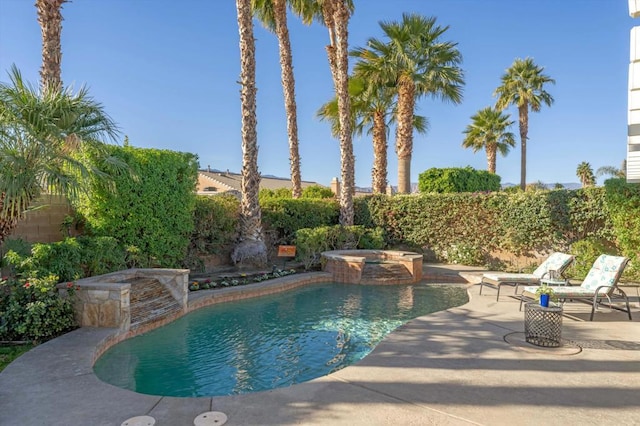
{"x":544,"y":300}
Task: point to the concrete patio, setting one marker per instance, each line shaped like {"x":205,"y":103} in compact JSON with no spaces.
{"x":466,"y":365}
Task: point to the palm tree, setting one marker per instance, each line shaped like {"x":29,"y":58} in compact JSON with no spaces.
{"x":251,"y":247}
{"x":335,"y":15}
{"x":523,"y":85}
{"x":415,"y":62}
{"x":371,"y":105}
{"x":273,"y":15}
{"x":50,"y":20}
{"x":613,"y":171}
{"x":488,"y":130}
{"x":43,"y":137}
{"x":585,"y":174}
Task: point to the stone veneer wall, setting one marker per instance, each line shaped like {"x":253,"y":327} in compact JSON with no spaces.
{"x":346,"y":266}
{"x":103,"y":300}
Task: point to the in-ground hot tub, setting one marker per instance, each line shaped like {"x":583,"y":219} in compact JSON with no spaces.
{"x":373,"y":266}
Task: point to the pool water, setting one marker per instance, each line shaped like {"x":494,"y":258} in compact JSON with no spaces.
{"x":268,"y":342}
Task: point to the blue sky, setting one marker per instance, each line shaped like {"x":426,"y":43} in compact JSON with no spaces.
{"x":167,"y":73}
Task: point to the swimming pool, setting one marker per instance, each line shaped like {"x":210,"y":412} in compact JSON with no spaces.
{"x":268,"y":342}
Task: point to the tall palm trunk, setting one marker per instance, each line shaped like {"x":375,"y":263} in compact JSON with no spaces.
{"x":288,"y":87}
{"x":492,"y":152}
{"x":251,"y":248}
{"x":336,"y":16}
{"x":523,"y":117}
{"x":379,"y":172}
{"x":50,"y":20}
{"x":404,"y":132}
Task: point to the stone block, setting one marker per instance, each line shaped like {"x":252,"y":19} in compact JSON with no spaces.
{"x":98,"y":295}
{"x":91,"y":315}
{"x":110,"y":314}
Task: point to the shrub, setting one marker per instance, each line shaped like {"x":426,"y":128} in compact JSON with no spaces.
{"x":286,"y":216}
{"x":586,"y":252}
{"x":623,"y":202}
{"x":215,"y":227}
{"x":457,"y":179}
{"x":317,"y":191}
{"x":31,"y":309}
{"x":150,"y":208}
{"x":311,"y":242}
{"x":70,"y":259}
{"x":271,"y":194}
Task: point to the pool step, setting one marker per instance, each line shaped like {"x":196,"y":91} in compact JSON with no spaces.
{"x":385,"y":273}
{"x":150,"y":301}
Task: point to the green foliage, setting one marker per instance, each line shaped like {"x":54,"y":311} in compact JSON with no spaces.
{"x":70,"y":259}
{"x":586,"y":252}
{"x":215,"y":227}
{"x":455,"y":179}
{"x":150,"y":209}
{"x":286,"y":216}
{"x":467,"y":228}
{"x":317,"y":191}
{"x":31,"y":309}
{"x":270,"y":194}
{"x":9,"y":353}
{"x":623,"y":201}
{"x":311,"y":242}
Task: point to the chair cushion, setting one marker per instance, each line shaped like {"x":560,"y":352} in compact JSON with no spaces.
{"x":606,"y":271}
{"x":555,"y":262}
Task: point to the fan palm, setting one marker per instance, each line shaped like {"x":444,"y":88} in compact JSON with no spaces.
{"x":371,"y":107}
{"x":585,"y":174}
{"x":415,"y":62}
{"x":43,"y":137}
{"x":251,"y":247}
{"x":523,"y":85}
{"x":488,"y":131}
{"x":50,"y":20}
{"x":613,"y":171}
{"x":273,"y":15}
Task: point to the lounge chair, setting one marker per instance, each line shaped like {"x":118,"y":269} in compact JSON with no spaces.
{"x":557,"y":262}
{"x":601,"y":282}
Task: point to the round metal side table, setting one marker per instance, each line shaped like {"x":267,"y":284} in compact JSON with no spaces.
{"x":543,"y":326}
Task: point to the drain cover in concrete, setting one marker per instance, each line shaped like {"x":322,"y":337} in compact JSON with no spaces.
{"x":567,"y":347}
{"x":210,"y":418}
{"x":139,"y":421}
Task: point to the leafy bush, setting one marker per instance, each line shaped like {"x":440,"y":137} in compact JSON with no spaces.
{"x":317,"y":191}
{"x":311,"y":242}
{"x":70,"y":259}
{"x":586,"y":252}
{"x":215,"y":227}
{"x":151,"y":208}
{"x":271,"y":194}
{"x":457,"y":179}
{"x":286,"y":216}
{"x":623,"y":202}
{"x":31,"y":309}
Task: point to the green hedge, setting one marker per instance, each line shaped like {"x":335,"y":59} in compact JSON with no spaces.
{"x":149,"y":210}
{"x":456,"y":179}
{"x":286,"y":216}
{"x":215,"y":228}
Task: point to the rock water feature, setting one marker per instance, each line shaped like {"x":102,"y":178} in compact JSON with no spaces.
{"x":373,"y":266}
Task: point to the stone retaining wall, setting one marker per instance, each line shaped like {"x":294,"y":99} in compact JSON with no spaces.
{"x":103,"y":300}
